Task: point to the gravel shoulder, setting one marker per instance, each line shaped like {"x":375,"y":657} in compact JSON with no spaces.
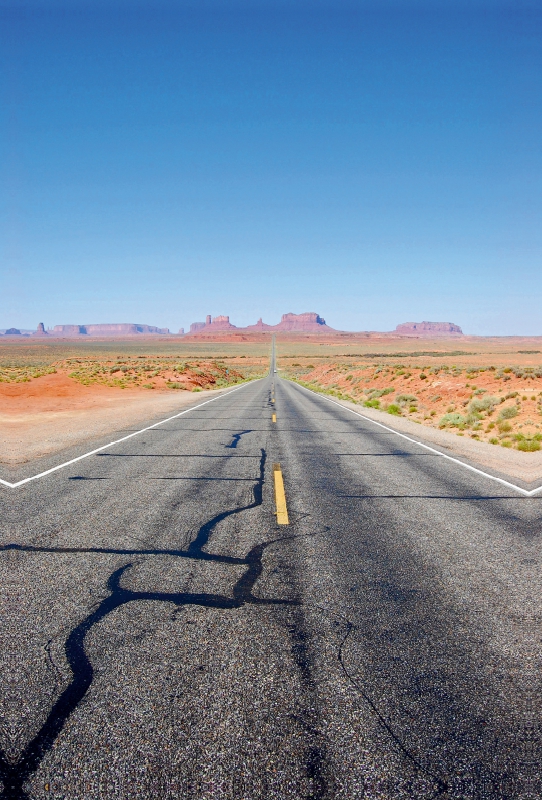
{"x":526,"y":467}
{"x":24,"y":437}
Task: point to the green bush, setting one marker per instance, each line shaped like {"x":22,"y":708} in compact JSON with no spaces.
{"x":380,"y":392}
{"x":483,"y":404}
{"x":529,"y":445}
{"x":508,"y":412}
{"x":372,"y":403}
{"x":453,"y":420}
{"x":394,"y":409}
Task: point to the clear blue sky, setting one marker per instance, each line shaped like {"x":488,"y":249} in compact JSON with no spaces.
{"x":376,"y":162}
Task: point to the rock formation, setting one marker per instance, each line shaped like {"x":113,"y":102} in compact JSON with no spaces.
{"x":428,"y":329}
{"x":260,"y":326}
{"x":121,"y":329}
{"x":113,"y":329}
{"x":220,"y":323}
{"x":68,"y":330}
{"x":309,"y":322}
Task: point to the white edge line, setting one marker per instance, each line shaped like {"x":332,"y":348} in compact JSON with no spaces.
{"x":524,"y":492}
{"x":117,"y":441}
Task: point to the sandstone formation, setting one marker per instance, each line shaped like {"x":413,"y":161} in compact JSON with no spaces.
{"x":260,"y":326}
{"x":220,"y":323}
{"x":68,"y":330}
{"x":114,"y":329}
{"x":428,"y":329}
{"x":309,"y":322}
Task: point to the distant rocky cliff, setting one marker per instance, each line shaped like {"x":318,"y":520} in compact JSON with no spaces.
{"x":220,"y":323}
{"x":112,"y":329}
{"x":309,"y":322}
{"x":428,"y":329}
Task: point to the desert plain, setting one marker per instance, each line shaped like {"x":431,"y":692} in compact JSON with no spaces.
{"x":476,"y":396}
{"x":54,"y":395}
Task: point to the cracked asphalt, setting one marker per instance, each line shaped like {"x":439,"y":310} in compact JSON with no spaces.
{"x":163,"y":637}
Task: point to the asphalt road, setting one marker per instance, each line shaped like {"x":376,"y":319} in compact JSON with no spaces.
{"x":163,"y":637}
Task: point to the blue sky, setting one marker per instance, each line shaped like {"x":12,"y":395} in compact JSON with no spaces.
{"x":374,"y":162}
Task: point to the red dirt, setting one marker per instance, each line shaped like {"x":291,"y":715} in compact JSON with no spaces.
{"x":57,"y":392}
{"x":440,"y":393}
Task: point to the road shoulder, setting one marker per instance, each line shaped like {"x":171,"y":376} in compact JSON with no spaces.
{"x":33,"y":436}
{"x":509,"y":464}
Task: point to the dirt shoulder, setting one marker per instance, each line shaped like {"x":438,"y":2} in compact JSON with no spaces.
{"x":518,"y":465}
{"x":500,"y":406}
{"x":55,"y":412}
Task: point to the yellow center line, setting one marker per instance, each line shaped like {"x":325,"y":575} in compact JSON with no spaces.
{"x":274,"y":418}
{"x":280,"y":496}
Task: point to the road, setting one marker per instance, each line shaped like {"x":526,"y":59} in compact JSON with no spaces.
{"x":163,"y":637}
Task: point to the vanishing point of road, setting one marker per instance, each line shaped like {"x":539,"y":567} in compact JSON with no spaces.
{"x":165,"y":634}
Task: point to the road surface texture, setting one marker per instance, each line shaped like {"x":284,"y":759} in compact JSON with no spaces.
{"x":163,"y":637}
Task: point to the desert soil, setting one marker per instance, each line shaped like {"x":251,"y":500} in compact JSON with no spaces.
{"x":501,"y":406}
{"x":54,"y":412}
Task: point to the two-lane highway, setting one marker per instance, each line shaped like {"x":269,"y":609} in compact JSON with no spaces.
{"x":164,"y":636}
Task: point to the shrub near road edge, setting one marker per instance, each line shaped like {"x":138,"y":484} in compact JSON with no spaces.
{"x":468,"y":401}
{"x":139,"y":371}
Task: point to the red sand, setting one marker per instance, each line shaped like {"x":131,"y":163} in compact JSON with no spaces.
{"x":57,"y":393}
{"x":440,"y":393}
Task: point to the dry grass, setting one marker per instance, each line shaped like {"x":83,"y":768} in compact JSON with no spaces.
{"x":477,"y":394}
{"x":135,"y":364}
